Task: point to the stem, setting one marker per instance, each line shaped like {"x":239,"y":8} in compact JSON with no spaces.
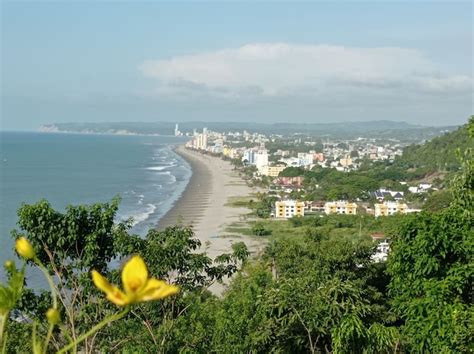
{"x":3,"y":334}
{"x":50,"y":282}
{"x":94,"y":329}
{"x":48,"y":338}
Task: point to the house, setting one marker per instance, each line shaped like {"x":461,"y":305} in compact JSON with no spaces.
{"x":318,"y":156}
{"x":378,"y":236}
{"x":286,"y":209}
{"x":381,"y":253}
{"x":390,"y":208}
{"x":340,"y":207}
{"x":290,"y":181}
{"x":382,"y":193}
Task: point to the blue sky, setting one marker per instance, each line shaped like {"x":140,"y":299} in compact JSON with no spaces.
{"x":268,"y":62}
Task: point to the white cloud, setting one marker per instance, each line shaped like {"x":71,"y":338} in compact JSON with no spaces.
{"x":279,"y":69}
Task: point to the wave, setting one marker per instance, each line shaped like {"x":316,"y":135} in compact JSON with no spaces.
{"x":159,"y":168}
{"x":140,"y":217}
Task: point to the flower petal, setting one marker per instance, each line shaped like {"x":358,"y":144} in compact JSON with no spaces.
{"x":118,"y":297}
{"x":113,"y":293}
{"x":134,"y":275}
{"x":156,"y":289}
{"x":101,"y":282}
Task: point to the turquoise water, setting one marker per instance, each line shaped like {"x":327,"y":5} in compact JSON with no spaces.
{"x":77,"y":169}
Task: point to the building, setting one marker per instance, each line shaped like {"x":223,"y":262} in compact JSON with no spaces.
{"x":249,"y":156}
{"x":390,"y":208}
{"x":176,"y":130}
{"x":261,"y":160}
{"x":286,"y":209}
{"x":346,"y":161}
{"x":290,"y":181}
{"x":273,"y":171}
{"x":315,"y":206}
{"x":381,"y":252}
{"x":382,"y":193}
{"x":318,"y":156}
{"x":340,"y":207}
{"x":306,"y":159}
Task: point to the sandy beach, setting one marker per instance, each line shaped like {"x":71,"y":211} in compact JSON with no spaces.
{"x":204,"y":203}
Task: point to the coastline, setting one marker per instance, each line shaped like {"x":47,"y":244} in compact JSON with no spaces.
{"x":204,"y":204}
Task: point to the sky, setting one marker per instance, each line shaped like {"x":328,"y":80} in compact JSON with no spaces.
{"x":235,"y":61}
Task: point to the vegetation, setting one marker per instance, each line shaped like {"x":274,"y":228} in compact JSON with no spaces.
{"x":439,"y":154}
{"x":314,"y":289}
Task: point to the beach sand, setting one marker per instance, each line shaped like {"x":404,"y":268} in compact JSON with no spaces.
{"x":204,"y":204}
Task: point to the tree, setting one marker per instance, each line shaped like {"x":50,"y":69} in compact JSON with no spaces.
{"x":432,"y":270}
{"x":258,"y":229}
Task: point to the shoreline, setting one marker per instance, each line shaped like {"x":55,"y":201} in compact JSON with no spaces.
{"x":204,"y":204}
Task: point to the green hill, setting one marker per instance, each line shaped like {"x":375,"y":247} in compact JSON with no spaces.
{"x":438,"y":154}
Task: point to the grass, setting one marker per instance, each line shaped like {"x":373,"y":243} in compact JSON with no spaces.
{"x":240,"y":228}
{"x":240,"y":202}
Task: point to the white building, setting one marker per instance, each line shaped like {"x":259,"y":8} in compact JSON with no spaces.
{"x":306,"y":159}
{"x":176,"y":130}
{"x":381,"y":252}
{"x":261,"y":161}
{"x":285,"y":209}
{"x":340,"y":207}
{"x":390,"y":208}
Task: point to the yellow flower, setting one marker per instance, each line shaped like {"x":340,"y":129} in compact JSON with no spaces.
{"x":53,"y":316}
{"x":24,"y":248}
{"x":138,"y":287}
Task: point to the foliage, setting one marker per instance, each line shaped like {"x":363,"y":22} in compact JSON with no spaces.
{"x":258,"y":229}
{"x":439,"y":153}
{"x":432,"y":271}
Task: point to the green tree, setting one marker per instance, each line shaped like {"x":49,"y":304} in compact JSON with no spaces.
{"x":432,"y":270}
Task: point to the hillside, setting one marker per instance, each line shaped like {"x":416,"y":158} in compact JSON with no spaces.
{"x":438,"y":154}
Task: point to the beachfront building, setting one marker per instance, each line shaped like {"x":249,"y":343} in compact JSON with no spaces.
{"x":285,"y":209}
{"x":249,"y":156}
{"x":199,"y":141}
{"x":340,"y":207}
{"x":390,"y":208}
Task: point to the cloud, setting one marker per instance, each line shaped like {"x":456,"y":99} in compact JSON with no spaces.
{"x":288,"y":70}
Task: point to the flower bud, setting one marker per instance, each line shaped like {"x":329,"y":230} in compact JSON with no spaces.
{"x":53,"y":316}
{"x":24,"y":248}
{"x":9,"y":265}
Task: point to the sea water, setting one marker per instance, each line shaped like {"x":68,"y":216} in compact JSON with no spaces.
{"x":82,"y":169}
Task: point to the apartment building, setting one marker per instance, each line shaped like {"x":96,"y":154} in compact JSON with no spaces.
{"x":390,"y":208}
{"x":340,"y":207}
{"x":285,"y":209}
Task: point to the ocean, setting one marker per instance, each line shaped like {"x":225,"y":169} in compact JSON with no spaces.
{"x":82,"y":169}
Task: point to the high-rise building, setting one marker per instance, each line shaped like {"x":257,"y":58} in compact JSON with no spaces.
{"x":261,"y":160}
{"x":176,"y":130}
{"x":204,"y":138}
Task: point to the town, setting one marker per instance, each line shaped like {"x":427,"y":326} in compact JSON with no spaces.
{"x":301,"y":176}
{"x":270,"y":164}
